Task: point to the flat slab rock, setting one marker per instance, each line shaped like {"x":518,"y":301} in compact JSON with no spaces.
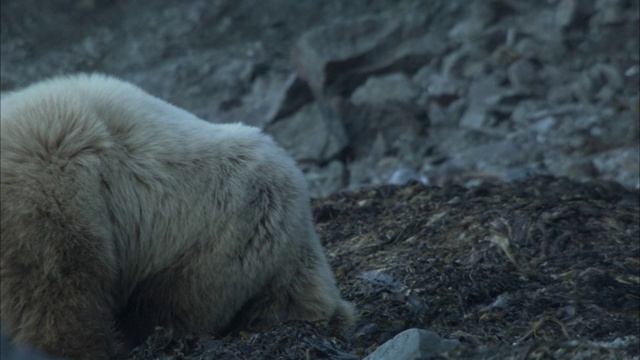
{"x":413,"y":344}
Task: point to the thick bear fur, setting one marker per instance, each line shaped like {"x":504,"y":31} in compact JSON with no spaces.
{"x":121,"y":212}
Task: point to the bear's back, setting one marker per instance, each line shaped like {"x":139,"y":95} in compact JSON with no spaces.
{"x":156,"y":161}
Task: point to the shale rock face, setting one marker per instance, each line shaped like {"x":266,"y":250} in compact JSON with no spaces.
{"x":370,"y":92}
{"x":508,"y":128}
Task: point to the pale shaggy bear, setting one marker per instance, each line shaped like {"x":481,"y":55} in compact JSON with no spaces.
{"x":121,"y":212}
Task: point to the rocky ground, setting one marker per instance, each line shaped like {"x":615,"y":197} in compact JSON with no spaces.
{"x":481,"y":98}
{"x":546,"y":269}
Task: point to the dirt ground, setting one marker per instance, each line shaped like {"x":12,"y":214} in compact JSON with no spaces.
{"x":545,"y":268}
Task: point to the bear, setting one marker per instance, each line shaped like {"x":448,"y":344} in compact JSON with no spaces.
{"x":121,"y":212}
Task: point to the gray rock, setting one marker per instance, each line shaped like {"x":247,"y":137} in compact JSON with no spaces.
{"x":543,"y":126}
{"x":485,"y":72}
{"x":565,"y":12}
{"x":273,"y":96}
{"x":413,"y":344}
{"x":438,"y":115}
{"x":338,"y":56}
{"x":379,"y":278}
{"x":379,"y":90}
{"x":505,"y":153}
{"x":608,"y":12}
{"x":324,"y":180}
{"x":309,"y":135}
{"x":404,"y":175}
{"x":521,"y":74}
{"x":474,"y":118}
{"x":622,"y":165}
{"x":441,"y":88}
{"x":484,"y":95}
{"x":485,"y":92}
{"x":381,"y":281}
{"x":361,"y":173}
{"x":480,"y":15}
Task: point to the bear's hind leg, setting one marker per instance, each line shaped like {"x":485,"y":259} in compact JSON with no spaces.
{"x":313,"y":295}
{"x":56,"y":294}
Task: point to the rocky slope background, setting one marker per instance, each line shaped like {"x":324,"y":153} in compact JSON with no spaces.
{"x":494,"y":96}
{"x":370,"y":92}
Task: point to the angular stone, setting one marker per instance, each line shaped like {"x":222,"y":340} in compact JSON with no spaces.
{"x":326,"y":179}
{"x":273,"y":96}
{"x":309,"y":135}
{"x":381,"y":89}
{"x":521,"y":74}
{"x":338,"y":57}
{"x":474,"y":118}
{"x":413,"y":344}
